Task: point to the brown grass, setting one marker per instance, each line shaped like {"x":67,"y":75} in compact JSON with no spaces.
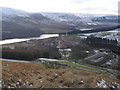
{"x":42,"y":77}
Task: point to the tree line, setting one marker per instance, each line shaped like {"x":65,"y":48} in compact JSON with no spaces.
{"x":30,"y":54}
{"x":92,"y":39}
{"x":103,"y":43}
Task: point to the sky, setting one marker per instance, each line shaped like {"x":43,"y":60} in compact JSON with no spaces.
{"x":68,"y":6}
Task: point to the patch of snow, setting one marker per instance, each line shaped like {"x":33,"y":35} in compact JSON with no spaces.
{"x":85,"y":29}
{"x":96,"y":51}
{"x":112,"y":36}
{"x":91,"y":23}
{"x":9,"y":87}
{"x":61,"y":50}
{"x":18,"y":83}
{"x":109,"y":62}
{"x":83,"y":36}
{"x":27,"y":82}
{"x":41,"y":81}
{"x":47,"y":59}
{"x":87,"y":51}
{"x":102,"y":84}
{"x":31,"y":84}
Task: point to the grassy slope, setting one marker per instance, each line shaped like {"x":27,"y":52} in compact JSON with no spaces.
{"x":40,"y":76}
{"x":80,"y":66}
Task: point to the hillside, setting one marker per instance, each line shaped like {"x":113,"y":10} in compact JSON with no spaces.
{"x":21,"y":24}
{"x":16,"y":22}
{"x":14,"y":30}
{"x":36,"y":75}
{"x":84,"y":21}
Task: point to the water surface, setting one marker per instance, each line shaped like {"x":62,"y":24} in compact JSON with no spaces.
{"x":9,"y":41}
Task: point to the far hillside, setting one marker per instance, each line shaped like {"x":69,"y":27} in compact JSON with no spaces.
{"x":21,"y":24}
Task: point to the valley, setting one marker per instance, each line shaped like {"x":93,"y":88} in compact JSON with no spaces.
{"x":21,"y":24}
{"x":59,"y":50}
{"x":64,"y":52}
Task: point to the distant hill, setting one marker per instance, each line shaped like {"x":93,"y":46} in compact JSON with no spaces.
{"x":14,"y":30}
{"x":106,"y":19}
{"x":21,"y":24}
{"x":82,"y":21}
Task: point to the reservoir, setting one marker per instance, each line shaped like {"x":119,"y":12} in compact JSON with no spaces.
{"x":9,"y":41}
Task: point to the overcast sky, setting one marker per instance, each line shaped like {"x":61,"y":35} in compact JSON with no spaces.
{"x":71,"y":6}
